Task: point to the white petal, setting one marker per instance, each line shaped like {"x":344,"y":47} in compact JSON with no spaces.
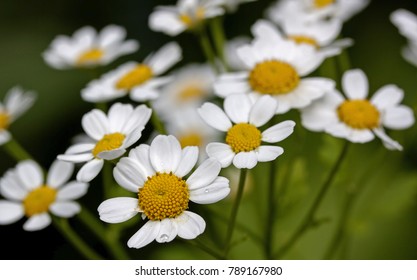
{"x":237,"y":107}
{"x":72,"y":190}
{"x":268,"y":153}
{"x":355,"y":84}
{"x":189,"y":157}
{"x":167,"y":22}
{"x":80,"y":148}
{"x":59,"y":173}
{"x":212,"y":193}
{"x":95,"y":124}
{"x":5,"y":136}
{"x":360,"y":136}
{"x":118,"y":210}
{"x":205,"y":174}
{"x":214,"y":116}
{"x":399,"y":117}
{"x":164,"y":58}
{"x":221,"y":152}
{"x":278,"y":132}
{"x":141,"y":155}
{"x":112,"y":154}
{"x":65,"y":209}
{"x":119,"y":114}
{"x":11,"y":187}
{"x":37,"y":222}
{"x":168,"y":231}
{"x":165,"y":153}
{"x":387,"y":96}
{"x":225,"y":87}
{"x":129,"y":174}
{"x":389,"y":143}
{"x":30,"y":174}
{"x":90,"y":170}
{"x":10,"y":212}
{"x":139,"y":118}
{"x":245,"y":160}
{"x":145,"y":235}
{"x":76,"y":158}
{"x":190,"y":225}
{"x":263,"y":110}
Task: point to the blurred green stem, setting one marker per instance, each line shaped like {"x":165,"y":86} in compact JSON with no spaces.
{"x":156,"y":121}
{"x":197,"y":243}
{"x":16,"y":151}
{"x":219,"y":38}
{"x":108,"y":183}
{"x":270,"y":210}
{"x":310,"y":218}
{"x":207,"y":49}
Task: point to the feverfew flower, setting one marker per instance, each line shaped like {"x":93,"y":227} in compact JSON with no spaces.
{"x":356,"y":118}
{"x":156,"y":173}
{"x":86,"y":48}
{"x":28,"y":195}
{"x":406,"y":22}
{"x":15,"y":104}
{"x":139,"y":79}
{"x":186,"y":15}
{"x":277,"y":70}
{"x":240,"y":120}
{"x":112,"y":134}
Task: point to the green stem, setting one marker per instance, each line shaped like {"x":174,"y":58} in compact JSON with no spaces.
{"x":64,"y":227}
{"x":16,"y":151}
{"x":92,"y":223}
{"x":203,"y":247}
{"x":208,"y":49}
{"x":217,"y":31}
{"x":309,"y":219}
{"x":113,"y":243}
{"x":270,"y":210}
{"x":107,"y":176}
{"x":235,"y":209}
{"x":156,"y":121}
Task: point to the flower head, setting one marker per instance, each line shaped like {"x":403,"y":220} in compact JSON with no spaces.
{"x":86,"y":48}
{"x":241,"y":120}
{"x":356,"y":118}
{"x":113,"y":134}
{"x":156,"y":173}
{"x":27,"y":194}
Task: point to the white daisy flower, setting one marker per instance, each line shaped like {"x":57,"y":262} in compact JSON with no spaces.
{"x":113,"y":134}
{"x":406,"y":22}
{"x":156,"y":173}
{"x":240,"y":120}
{"x":86,"y":48}
{"x":186,"y":15}
{"x":139,"y":79}
{"x":277,"y":70}
{"x":232,"y":58}
{"x":28,"y":195}
{"x":356,"y":118}
{"x":16,"y":102}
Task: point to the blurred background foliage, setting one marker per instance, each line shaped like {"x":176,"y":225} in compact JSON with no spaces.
{"x":383,"y":220}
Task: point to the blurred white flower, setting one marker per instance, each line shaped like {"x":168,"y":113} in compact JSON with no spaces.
{"x":232,"y":58}
{"x":406,"y":22}
{"x":86,"y":48}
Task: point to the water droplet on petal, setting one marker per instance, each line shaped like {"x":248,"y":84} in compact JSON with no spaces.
{"x":206,"y":190}
{"x":164,"y":238}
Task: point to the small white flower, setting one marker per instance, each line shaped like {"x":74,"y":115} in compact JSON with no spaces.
{"x":406,"y":22}
{"x":186,"y":15}
{"x":358,"y":119}
{"x":28,"y":195}
{"x":240,"y":120}
{"x":86,"y":48}
{"x":277,"y":70}
{"x":140,"y":79}
{"x":113,"y":134}
{"x":156,"y":174}
{"x":15,"y":104}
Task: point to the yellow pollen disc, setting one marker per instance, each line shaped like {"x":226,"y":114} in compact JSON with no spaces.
{"x":243,"y":137}
{"x":300,"y":39}
{"x":273,"y":77}
{"x":109,"y":142}
{"x":191,"y":139}
{"x":90,"y":56}
{"x":323,"y":3}
{"x":191,"y":20}
{"x":39,"y":200}
{"x":163,"y":196}
{"x":190,"y":93}
{"x":135,"y":77}
{"x":4,"y":120}
{"x":359,"y":114}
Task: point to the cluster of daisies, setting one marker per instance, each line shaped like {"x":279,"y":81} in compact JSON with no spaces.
{"x":212,"y":120}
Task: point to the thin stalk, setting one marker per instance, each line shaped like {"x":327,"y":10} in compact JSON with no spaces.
{"x":107,"y":176}
{"x":203,"y":247}
{"x":16,"y":151}
{"x":207,"y":48}
{"x":93,"y":224}
{"x":219,"y":38}
{"x":113,"y":243}
{"x":271,"y":209}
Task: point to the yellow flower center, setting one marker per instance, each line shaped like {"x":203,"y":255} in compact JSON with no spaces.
{"x":39,"y":200}
{"x":191,"y":93}
{"x":135,"y":77}
{"x":191,"y":139}
{"x":191,"y":20}
{"x":91,"y":56}
{"x":243,"y":137}
{"x":359,"y":114}
{"x":300,"y":39}
{"x":4,"y":120}
{"x":273,"y":77}
{"x":109,"y":142}
{"x":163,"y":196}
{"x":323,"y":3}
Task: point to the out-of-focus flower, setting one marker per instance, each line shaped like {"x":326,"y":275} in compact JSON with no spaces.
{"x":156,"y":173}
{"x":406,"y":22}
{"x":358,"y":119}
{"x":139,"y":79}
{"x":186,"y":15}
{"x":232,"y":58}
{"x":113,"y":134}
{"x":86,"y":48}
{"x":240,"y":120}
{"x":277,"y":70}
{"x":28,"y":195}
{"x":16,"y":102}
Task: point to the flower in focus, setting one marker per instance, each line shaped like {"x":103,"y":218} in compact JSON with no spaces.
{"x":139,"y":79}
{"x":113,"y":134}
{"x":186,"y":15}
{"x":15,"y":104}
{"x":86,"y":48}
{"x":277,"y":70}
{"x":356,"y":118}
{"x":240,"y":120}
{"x":156,"y":173}
{"x":28,"y":195}
{"x":406,"y":22}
